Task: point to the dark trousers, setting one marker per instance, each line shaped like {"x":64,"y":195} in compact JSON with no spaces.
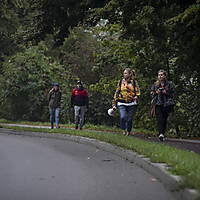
{"x":161,"y":116}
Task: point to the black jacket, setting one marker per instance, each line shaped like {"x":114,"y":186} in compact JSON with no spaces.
{"x":54,"y":98}
{"x":163,"y":99}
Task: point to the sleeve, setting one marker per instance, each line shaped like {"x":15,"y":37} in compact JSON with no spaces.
{"x":116,"y":95}
{"x":49,"y":96}
{"x":153,"y":91}
{"x":170,"y":90}
{"x":72,"y":99}
{"x":50,"y":93}
{"x":137,"y":89}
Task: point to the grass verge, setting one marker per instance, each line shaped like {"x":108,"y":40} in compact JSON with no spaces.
{"x":183,"y":163}
{"x":86,"y":126}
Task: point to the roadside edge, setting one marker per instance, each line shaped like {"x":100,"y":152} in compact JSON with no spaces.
{"x":158,"y":170}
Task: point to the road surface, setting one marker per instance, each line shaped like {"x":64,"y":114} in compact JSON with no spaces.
{"x":36,"y":168}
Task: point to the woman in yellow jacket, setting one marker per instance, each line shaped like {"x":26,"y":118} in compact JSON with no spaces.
{"x":125,"y":99}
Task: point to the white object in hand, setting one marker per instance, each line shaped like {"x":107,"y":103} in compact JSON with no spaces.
{"x":111,"y":112}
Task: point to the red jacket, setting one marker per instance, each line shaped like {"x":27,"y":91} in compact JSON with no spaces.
{"x":79,"y":97}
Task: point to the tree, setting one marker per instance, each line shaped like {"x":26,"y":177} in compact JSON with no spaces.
{"x":25,"y":82}
{"x":185,"y":36}
{"x":9,"y":24}
{"x":155,"y":44}
{"x":78,"y":55}
{"x":59,"y":16}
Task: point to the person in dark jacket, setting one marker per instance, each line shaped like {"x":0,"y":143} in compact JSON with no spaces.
{"x":54,"y":98}
{"x":162,"y":93}
{"x":79,"y":101}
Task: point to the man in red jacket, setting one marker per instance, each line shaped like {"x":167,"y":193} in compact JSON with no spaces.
{"x":79,"y":101}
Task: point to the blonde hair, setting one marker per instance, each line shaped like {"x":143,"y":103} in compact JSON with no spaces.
{"x":131,"y":72}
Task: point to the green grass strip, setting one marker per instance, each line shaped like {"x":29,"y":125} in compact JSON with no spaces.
{"x":181,"y":162}
{"x":86,"y":126}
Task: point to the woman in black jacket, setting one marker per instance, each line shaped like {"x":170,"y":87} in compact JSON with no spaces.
{"x":54,"y":98}
{"x":162,"y":97}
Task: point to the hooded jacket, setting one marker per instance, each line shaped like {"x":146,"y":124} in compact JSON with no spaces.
{"x":79,"y":97}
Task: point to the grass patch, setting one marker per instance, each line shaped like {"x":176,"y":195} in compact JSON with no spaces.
{"x":181,"y":162}
{"x":86,"y":126}
{"x":23,"y":122}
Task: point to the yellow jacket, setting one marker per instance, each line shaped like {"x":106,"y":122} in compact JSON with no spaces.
{"x":126,"y":91}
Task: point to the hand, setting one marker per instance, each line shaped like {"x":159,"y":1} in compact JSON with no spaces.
{"x":159,"y":92}
{"x":114,"y":107}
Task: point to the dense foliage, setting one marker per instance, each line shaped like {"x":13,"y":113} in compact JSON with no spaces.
{"x":92,"y":40}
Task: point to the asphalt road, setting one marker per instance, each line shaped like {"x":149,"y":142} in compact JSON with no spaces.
{"x":36,"y":168}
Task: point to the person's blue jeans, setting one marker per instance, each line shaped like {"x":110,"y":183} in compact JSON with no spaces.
{"x":126,"y":116}
{"x":56,"y":111}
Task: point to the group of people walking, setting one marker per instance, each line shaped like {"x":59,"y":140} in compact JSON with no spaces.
{"x":125,"y":100}
{"x":79,"y":102}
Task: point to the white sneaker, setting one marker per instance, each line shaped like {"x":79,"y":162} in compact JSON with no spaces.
{"x":161,"y":137}
{"x":128,"y":133}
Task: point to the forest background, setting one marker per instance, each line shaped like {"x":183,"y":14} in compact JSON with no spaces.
{"x":47,"y":41}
